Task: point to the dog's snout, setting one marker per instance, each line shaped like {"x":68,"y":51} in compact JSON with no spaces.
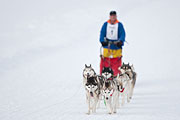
{"x":106,"y":98}
{"x":91,"y":93}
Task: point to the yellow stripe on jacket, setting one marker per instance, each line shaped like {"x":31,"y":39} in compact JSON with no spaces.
{"x":114,"y":53}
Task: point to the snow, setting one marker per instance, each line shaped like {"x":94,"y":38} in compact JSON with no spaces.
{"x":45,"y":44}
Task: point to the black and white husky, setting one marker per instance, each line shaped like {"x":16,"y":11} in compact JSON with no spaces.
{"x":129,"y":70}
{"x":126,"y":81}
{"x":124,"y":84}
{"x":107,"y":73}
{"x":92,"y":94}
{"x":110,"y":93}
{"x":89,"y":76}
{"x":88,"y":72}
{"x":110,"y":90}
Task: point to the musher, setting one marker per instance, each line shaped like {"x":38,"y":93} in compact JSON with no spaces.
{"x":112,"y":38}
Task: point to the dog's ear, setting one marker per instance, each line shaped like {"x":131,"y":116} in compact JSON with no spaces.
{"x":132,"y":66}
{"x":90,"y":65}
{"x":111,"y":91}
{"x":85,"y":65}
{"x":117,"y":77}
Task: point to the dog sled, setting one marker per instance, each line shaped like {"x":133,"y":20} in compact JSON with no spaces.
{"x":113,"y":62}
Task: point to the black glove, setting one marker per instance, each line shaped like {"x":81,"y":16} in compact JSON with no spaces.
{"x":119,"y":44}
{"x":104,"y":44}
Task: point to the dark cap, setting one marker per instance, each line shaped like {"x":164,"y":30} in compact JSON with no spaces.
{"x":112,"y":13}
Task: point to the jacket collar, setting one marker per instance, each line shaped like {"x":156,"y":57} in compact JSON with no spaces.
{"x":114,"y":23}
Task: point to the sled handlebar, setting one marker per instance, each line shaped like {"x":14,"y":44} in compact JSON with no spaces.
{"x":110,"y":42}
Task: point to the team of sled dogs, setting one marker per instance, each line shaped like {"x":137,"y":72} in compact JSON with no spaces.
{"x":108,"y":88}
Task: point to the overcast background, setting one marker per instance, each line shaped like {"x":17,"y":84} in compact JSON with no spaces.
{"x":44,"y":45}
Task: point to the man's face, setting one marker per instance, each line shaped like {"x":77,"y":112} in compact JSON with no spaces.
{"x":113,"y":18}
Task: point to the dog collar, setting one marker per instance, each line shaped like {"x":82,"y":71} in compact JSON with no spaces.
{"x":112,"y":93}
{"x":110,"y":78}
{"x":122,"y":90}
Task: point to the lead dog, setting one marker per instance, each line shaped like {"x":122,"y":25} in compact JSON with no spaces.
{"x":92,"y":94}
{"x":88,"y":72}
{"x":110,"y":92}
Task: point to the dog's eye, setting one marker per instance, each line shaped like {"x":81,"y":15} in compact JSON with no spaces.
{"x":104,"y":92}
{"x":109,"y":92}
{"x":88,"y":87}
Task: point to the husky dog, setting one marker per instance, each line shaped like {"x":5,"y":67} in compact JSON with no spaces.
{"x":124,"y":84}
{"x":129,"y":70}
{"x":92,"y":94}
{"x":107,"y":73}
{"x":110,"y":95}
{"x":88,"y":72}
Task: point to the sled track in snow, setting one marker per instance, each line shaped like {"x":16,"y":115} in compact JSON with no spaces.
{"x":13,"y":113}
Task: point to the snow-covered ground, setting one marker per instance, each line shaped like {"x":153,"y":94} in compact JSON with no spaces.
{"x":44,"y":45}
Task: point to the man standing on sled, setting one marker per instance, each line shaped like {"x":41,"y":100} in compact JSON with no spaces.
{"x":112,"y":38}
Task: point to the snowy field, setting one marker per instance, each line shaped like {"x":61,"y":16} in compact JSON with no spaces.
{"x":44,"y":45}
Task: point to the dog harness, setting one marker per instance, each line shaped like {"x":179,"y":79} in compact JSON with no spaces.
{"x":110,"y":78}
{"x":122,"y":90}
{"x":112,"y":93}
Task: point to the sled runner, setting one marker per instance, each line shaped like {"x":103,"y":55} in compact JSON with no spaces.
{"x":113,"y":62}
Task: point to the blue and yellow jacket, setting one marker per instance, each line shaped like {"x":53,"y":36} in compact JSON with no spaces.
{"x":120,"y":34}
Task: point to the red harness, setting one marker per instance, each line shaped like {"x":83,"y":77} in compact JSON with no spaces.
{"x":122,"y":90}
{"x":112,"y":93}
{"x":119,"y":91}
{"x":110,"y":78}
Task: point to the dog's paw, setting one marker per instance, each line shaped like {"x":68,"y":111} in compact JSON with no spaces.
{"x":88,"y":113}
{"x":111,"y":112}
